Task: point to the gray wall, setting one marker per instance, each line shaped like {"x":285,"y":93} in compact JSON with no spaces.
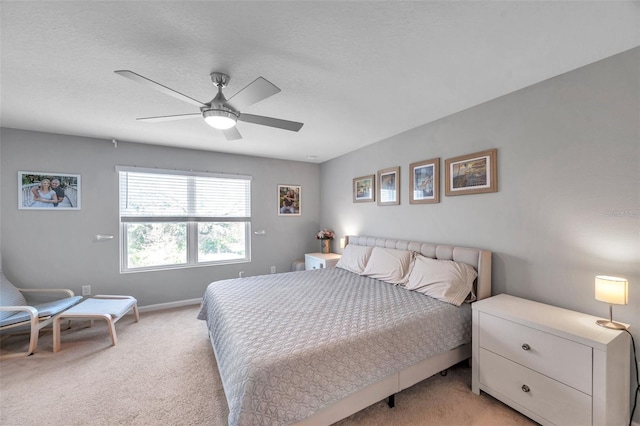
{"x":57,"y":248}
{"x":568,"y":201}
{"x":567,"y":206}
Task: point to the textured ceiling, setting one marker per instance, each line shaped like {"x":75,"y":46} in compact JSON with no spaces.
{"x":353,"y":72}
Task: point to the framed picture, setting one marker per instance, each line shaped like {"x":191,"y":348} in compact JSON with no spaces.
{"x":48,"y":191}
{"x":364,"y":189}
{"x":424,"y":187}
{"x":289,"y":200}
{"x":471,"y":174}
{"x":389,"y":186}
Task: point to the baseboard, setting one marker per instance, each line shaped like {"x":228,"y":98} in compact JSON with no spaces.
{"x":162,"y":306}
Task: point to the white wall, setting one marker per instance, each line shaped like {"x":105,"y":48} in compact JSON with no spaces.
{"x":568,"y":201}
{"x":57,"y":248}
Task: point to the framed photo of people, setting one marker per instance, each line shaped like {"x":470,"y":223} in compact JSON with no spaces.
{"x":364,"y":189}
{"x":471,"y":174}
{"x":388,"y":186}
{"x":48,"y":191}
{"x":289,"y":201}
{"x":424,"y":187}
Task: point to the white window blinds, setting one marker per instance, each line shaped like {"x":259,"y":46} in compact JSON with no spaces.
{"x":159,"y":195}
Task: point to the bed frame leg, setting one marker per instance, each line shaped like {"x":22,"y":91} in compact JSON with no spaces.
{"x":392,"y":401}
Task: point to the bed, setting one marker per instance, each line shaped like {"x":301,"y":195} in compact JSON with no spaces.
{"x":313,"y":347}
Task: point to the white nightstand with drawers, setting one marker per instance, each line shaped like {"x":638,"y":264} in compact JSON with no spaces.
{"x":554,"y":365}
{"x":320,"y":260}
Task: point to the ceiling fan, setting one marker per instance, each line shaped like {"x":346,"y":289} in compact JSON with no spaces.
{"x":222,"y":113}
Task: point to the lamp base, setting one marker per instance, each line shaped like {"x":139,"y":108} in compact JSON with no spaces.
{"x":610,"y":324}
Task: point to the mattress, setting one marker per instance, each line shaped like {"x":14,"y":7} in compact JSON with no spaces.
{"x":288,"y":345}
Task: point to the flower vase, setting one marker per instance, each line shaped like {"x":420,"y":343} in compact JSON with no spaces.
{"x":326,"y":246}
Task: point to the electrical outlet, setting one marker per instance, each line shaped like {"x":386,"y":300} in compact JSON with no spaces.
{"x":86,"y":290}
{"x":241,"y":274}
{"x":273,"y":269}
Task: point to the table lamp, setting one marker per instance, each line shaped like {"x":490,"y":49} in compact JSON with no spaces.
{"x":614,"y":291}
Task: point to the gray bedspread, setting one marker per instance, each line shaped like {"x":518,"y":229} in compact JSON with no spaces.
{"x":289,"y":344}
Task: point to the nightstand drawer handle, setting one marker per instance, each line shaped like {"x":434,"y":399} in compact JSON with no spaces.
{"x":526,"y":347}
{"x":525,"y":388}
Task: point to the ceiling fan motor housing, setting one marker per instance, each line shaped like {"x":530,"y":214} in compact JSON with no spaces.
{"x":221,"y":112}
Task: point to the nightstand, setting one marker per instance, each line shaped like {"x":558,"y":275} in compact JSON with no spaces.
{"x":320,"y":260}
{"x":554,"y":365}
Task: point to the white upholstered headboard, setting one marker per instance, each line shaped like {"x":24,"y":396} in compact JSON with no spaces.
{"x":479,"y":259}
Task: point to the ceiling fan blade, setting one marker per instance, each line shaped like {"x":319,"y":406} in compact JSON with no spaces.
{"x":254,"y":92}
{"x":157,"y":86}
{"x":232,"y":134}
{"x":271,"y":122}
{"x":170,"y":117}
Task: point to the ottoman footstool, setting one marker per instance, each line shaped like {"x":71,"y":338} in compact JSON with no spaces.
{"x":108,"y":308}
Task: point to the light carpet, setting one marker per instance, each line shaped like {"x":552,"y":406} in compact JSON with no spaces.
{"x":163,"y":372}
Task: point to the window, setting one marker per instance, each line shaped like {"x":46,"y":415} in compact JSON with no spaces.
{"x":172,"y":219}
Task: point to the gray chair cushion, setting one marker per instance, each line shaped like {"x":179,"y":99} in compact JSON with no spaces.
{"x":9,"y":296}
{"x":44,"y":310}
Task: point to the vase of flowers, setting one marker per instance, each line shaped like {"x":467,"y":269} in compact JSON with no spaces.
{"x":325,"y":236}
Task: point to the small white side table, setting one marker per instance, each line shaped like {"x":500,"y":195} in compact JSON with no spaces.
{"x":554,"y":365}
{"x":320,"y":260}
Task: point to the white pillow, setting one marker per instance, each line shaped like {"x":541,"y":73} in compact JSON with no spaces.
{"x":354,"y":258}
{"x":444,"y":280}
{"x":389,"y":265}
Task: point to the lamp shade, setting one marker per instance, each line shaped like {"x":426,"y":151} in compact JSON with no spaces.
{"x":219,"y":118}
{"x":612,"y":290}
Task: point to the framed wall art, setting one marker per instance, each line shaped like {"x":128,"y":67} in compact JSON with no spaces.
{"x":424,"y":185}
{"x":388,"y":185}
{"x":48,"y":191}
{"x":289,"y":201}
{"x":364,"y":189}
{"x":471,"y":174}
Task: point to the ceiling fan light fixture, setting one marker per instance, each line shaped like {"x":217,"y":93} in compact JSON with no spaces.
{"x":221,"y":113}
{"x":219,"y":118}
